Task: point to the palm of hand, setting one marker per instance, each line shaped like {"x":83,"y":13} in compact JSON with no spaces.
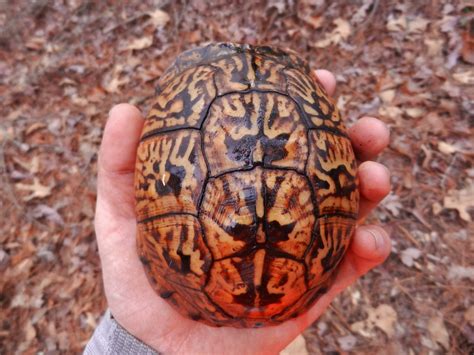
{"x":136,"y":306}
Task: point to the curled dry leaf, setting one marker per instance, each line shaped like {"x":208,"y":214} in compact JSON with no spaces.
{"x":139,"y":43}
{"x":447,"y":148}
{"x":415,"y":112}
{"x":383,"y":317}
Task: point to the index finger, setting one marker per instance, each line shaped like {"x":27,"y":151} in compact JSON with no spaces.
{"x":369,"y":136}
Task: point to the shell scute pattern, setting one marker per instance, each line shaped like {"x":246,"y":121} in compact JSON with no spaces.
{"x":246,"y":186}
{"x":242,"y":130}
{"x":170,"y":174}
{"x":183,"y":103}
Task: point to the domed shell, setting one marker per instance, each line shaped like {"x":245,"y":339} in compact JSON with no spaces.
{"x":246,"y":188}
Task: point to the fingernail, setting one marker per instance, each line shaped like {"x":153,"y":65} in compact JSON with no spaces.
{"x":379,"y":239}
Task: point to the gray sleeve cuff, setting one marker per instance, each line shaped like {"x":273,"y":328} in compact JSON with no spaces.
{"x":111,"y":338}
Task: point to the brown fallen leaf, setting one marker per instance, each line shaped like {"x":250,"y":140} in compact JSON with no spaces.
{"x":415,"y":112}
{"x":37,"y":189}
{"x":392,"y":203}
{"x":387,"y":96}
{"x":363,"y":11}
{"x":459,"y":272}
{"x":30,"y":332}
{"x":418,"y":24}
{"x":51,"y":214}
{"x":34,"y":127}
{"x":390,"y":111}
{"x":35,"y":43}
{"x":469,"y":315}
{"x":383,"y":317}
{"x":31,"y":166}
{"x":465,"y":77}
{"x":461,"y":200}
{"x":436,"y":208}
{"x":409,"y":255}
{"x":434,"y":46}
{"x":396,"y":24}
{"x":340,"y":33}
{"x":467,"y":52}
{"x":138,"y":43}
{"x":159,"y":18}
{"x":114,"y":79}
{"x":438,"y":331}
{"x":447,"y":148}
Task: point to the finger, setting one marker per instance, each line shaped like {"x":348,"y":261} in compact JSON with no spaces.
{"x":374,"y":185}
{"x":369,"y":137}
{"x":115,"y":194}
{"x":120,"y":140}
{"x":327,"y":79}
{"x":371,"y":245}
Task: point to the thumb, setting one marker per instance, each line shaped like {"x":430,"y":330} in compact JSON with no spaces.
{"x":115,"y":191}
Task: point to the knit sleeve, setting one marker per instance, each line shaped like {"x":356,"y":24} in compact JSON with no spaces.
{"x":111,"y":338}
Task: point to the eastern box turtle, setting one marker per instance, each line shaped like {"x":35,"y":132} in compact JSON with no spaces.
{"x":246,"y":188}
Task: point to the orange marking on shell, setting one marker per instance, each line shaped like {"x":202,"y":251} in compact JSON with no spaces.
{"x":246,"y":186}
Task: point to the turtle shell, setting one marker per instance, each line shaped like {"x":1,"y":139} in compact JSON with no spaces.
{"x":246,"y":188}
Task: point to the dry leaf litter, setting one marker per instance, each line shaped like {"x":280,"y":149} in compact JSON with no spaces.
{"x":64,"y":64}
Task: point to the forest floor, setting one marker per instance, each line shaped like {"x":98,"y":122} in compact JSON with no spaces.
{"x":63,"y":64}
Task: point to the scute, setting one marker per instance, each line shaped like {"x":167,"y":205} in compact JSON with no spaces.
{"x":317,"y":106}
{"x":332,"y":171}
{"x":183,"y":103}
{"x":170,"y":174}
{"x":243,"y":130}
{"x":247,"y":210}
{"x":214,"y":52}
{"x":175,"y":243}
{"x":332,"y":238}
{"x":256,"y":286}
{"x":246,"y":186}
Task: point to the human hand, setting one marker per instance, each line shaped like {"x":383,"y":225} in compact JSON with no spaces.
{"x":135,"y":305}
